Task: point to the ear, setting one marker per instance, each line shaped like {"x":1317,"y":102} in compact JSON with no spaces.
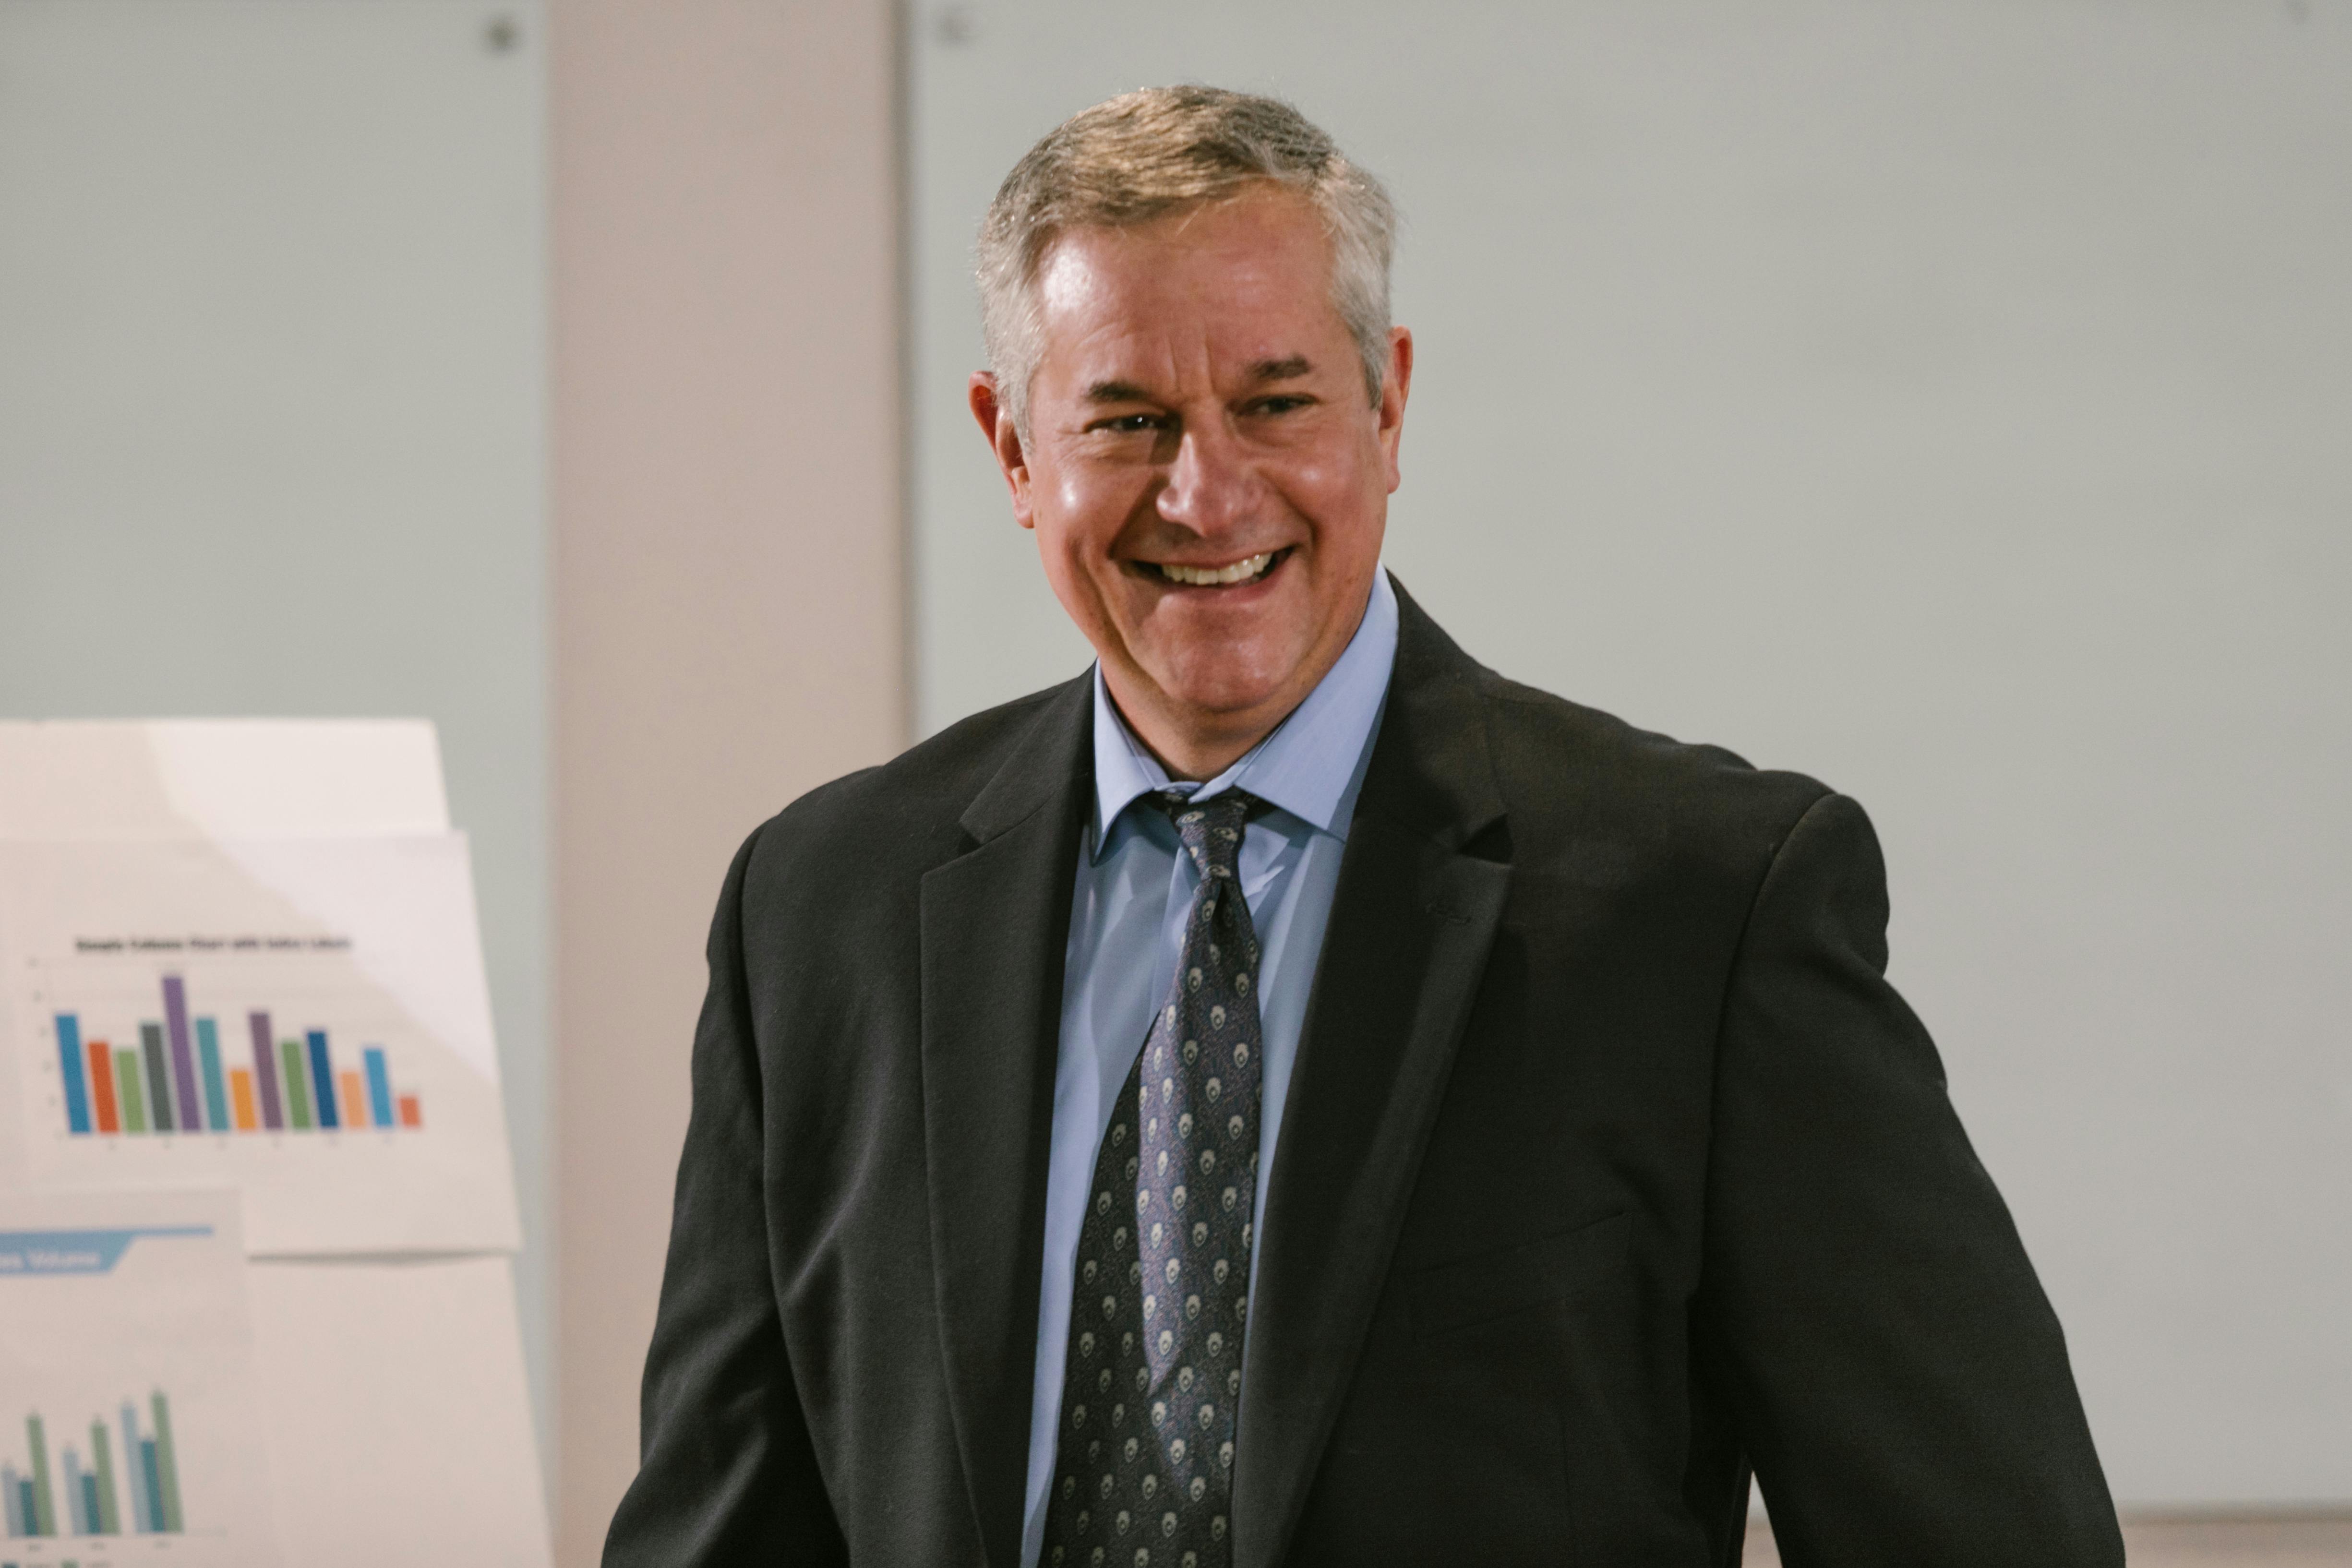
{"x":1004,"y":441}
{"x":1395,"y":387}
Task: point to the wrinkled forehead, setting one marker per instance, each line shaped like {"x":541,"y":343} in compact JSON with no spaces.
{"x":1246,"y":280}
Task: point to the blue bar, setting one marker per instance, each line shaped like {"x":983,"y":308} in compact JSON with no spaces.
{"x":77,"y":1085}
{"x":134,"y":1478}
{"x":216,"y":1086}
{"x":379,"y":1085}
{"x":90,"y":1505}
{"x":323,"y":1071}
{"x":70,"y":1472}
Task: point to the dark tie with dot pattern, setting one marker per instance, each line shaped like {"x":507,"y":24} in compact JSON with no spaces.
{"x":1144,"y":1464}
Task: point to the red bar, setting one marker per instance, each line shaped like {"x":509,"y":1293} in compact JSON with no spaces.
{"x":101,"y":1082}
{"x":412,"y":1112}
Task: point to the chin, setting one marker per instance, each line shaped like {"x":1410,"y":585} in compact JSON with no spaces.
{"x":1220,"y":685}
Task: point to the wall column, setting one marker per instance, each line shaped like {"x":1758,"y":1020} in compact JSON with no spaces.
{"x":729,"y":584}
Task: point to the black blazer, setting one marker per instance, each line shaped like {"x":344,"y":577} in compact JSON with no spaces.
{"x":1611,"y":1167}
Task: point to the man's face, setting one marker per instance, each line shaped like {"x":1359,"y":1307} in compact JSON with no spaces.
{"x":1206,"y":477}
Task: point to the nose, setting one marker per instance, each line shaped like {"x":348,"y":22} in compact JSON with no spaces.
{"x":1211,"y":487}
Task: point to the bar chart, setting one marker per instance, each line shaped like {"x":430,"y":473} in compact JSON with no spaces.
{"x":304,"y":1021}
{"x":177,"y":1079}
{"x":86,"y":1492}
{"x":130,"y":1427}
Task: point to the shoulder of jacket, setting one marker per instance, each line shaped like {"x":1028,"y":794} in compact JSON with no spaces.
{"x":1558,"y":759}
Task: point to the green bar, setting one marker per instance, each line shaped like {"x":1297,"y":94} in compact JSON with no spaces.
{"x":167,"y":1465}
{"x":128,"y":1091}
{"x":297,"y":1082}
{"x":109,"y":1516}
{"x":45,"y":1507}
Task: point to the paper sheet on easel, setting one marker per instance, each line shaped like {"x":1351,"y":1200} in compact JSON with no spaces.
{"x":219,"y":778}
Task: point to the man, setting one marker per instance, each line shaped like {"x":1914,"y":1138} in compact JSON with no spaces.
{"x":1292,"y":1095}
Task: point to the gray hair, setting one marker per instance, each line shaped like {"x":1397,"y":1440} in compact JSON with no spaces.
{"x":1146,"y":155}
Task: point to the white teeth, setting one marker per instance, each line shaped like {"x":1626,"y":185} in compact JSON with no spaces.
{"x":1216,"y":575}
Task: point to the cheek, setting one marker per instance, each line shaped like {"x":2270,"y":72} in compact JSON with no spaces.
{"x":1075,"y":526}
{"x":1343,"y":495}
{"x":1072,"y":489}
{"x":1088,"y":505}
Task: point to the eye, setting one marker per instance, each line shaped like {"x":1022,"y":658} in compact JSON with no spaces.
{"x":1127,"y":423}
{"x":1281,"y":402}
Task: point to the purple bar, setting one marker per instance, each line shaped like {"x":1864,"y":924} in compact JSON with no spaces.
{"x":183,"y":1060}
{"x":265,"y":1072}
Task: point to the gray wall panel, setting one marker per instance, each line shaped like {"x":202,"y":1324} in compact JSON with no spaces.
{"x":272,"y":353}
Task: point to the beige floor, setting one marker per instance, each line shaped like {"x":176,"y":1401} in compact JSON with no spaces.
{"x":2281,"y":1542}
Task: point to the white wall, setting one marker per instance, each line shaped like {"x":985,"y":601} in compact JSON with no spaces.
{"x":272,"y":394}
{"x":1948,"y":400}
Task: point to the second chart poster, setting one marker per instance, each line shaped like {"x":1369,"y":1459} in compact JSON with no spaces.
{"x":130,"y":1426}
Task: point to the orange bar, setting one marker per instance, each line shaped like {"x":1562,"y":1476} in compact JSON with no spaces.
{"x":101,"y":1084}
{"x":240,"y":1090}
{"x":355,"y":1102}
{"x":412,"y":1113}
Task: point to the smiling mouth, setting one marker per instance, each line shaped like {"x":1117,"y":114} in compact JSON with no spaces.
{"x":1249,"y":569}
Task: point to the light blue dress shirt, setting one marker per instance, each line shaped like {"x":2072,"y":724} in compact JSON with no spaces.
{"x":1127,"y":923}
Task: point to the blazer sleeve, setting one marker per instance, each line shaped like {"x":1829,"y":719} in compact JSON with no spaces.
{"x":727,"y":1472}
{"x":1896,"y":1374}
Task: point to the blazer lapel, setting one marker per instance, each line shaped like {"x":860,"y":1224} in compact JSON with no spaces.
{"x":995,"y":924}
{"x":1421,"y":890}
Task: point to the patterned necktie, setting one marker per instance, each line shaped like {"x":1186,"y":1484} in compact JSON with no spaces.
{"x":1144,"y":1466}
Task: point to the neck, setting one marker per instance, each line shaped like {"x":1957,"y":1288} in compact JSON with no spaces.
{"x":1196,"y":743}
{"x":1194,"y":747}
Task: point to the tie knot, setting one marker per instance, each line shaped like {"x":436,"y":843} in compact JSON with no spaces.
{"x":1212,"y":830}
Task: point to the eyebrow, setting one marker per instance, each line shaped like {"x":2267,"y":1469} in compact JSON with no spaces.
{"x":1291,"y":369}
{"x":1280,"y":370}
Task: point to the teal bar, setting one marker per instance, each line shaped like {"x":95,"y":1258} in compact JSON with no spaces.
{"x":155,"y":1525}
{"x":216,"y":1086}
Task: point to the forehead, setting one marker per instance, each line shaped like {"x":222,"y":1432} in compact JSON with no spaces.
{"x":1248,"y":277}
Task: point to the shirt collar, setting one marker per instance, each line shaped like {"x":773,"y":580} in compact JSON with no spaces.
{"x":1309,"y":765}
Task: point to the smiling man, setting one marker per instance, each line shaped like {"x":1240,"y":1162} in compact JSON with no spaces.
{"x":1210,"y":480}
{"x":1291,"y":1095}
